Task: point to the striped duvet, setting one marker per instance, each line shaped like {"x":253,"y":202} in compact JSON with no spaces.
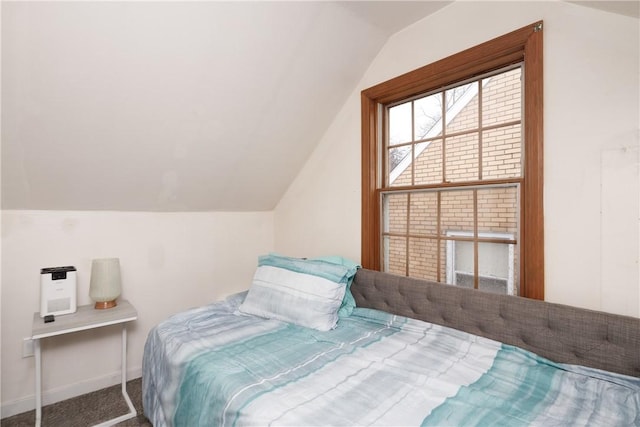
{"x":213,"y":367}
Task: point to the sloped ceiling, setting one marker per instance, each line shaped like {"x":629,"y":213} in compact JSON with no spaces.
{"x":186,"y":106}
{"x":626,"y":7}
{"x":180,"y":106}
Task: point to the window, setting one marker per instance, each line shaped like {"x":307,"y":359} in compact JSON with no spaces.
{"x":452,"y":169}
{"x":434,"y":146}
{"x":497,"y":260}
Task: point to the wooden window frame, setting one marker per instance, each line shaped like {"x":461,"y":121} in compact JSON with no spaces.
{"x":522,"y":45}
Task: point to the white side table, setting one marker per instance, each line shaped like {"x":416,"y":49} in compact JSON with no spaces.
{"x":86,"y":317}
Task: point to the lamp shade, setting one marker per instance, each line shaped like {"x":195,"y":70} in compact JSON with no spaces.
{"x":106,"y":285}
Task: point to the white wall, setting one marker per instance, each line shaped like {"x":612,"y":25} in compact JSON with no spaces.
{"x":591,"y":138}
{"x":169,"y":261}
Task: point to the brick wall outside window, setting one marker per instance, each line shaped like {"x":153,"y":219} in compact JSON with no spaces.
{"x":497,"y":207}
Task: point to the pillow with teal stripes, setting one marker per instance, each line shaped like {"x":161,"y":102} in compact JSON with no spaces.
{"x":300,"y":291}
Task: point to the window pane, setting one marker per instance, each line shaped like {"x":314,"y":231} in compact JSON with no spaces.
{"x":428,"y":168}
{"x":501,"y":98}
{"x":399,"y":169}
{"x":496,"y":268}
{"x":498,"y":211}
{"x":502,"y":153}
{"x":395,"y":254}
{"x":395,"y":213}
{"x":462,"y":108}
{"x":428,"y":116}
{"x":400,"y":124}
{"x":461,"y":154}
{"x":460,"y":263}
{"x":423,"y":258}
{"x":424,"y":213}
{"x":456,"y":211}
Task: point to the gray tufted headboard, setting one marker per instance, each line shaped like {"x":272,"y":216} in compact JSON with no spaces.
{"x":561,"y":333}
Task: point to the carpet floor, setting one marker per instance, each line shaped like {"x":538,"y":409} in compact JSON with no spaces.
{"x":88,"y":409}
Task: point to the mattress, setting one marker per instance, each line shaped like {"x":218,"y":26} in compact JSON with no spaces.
{"x":212,"y":366}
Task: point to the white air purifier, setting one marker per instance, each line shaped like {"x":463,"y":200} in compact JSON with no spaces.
{"x":57,"y":291}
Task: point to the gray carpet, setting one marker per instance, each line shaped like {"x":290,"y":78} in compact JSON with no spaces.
{"x":88,"y":409}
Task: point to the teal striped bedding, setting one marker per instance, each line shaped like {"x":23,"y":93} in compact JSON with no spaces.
{"x":212,"y":366}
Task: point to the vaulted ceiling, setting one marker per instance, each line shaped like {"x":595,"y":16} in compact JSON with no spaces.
{"x":178,"y":106}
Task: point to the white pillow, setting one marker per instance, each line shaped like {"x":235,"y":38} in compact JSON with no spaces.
{"x":305,"y":292}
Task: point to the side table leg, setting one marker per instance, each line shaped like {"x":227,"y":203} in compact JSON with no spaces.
{"x":36,"y":351}
{"x":132,"y":409}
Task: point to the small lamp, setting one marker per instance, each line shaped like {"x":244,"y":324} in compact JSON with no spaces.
{"x":105,"y":285}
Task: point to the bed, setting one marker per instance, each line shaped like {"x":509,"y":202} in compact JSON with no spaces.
{"x":404,"y":352}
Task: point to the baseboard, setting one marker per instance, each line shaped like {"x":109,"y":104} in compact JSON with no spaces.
{"x":28,"y":403}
